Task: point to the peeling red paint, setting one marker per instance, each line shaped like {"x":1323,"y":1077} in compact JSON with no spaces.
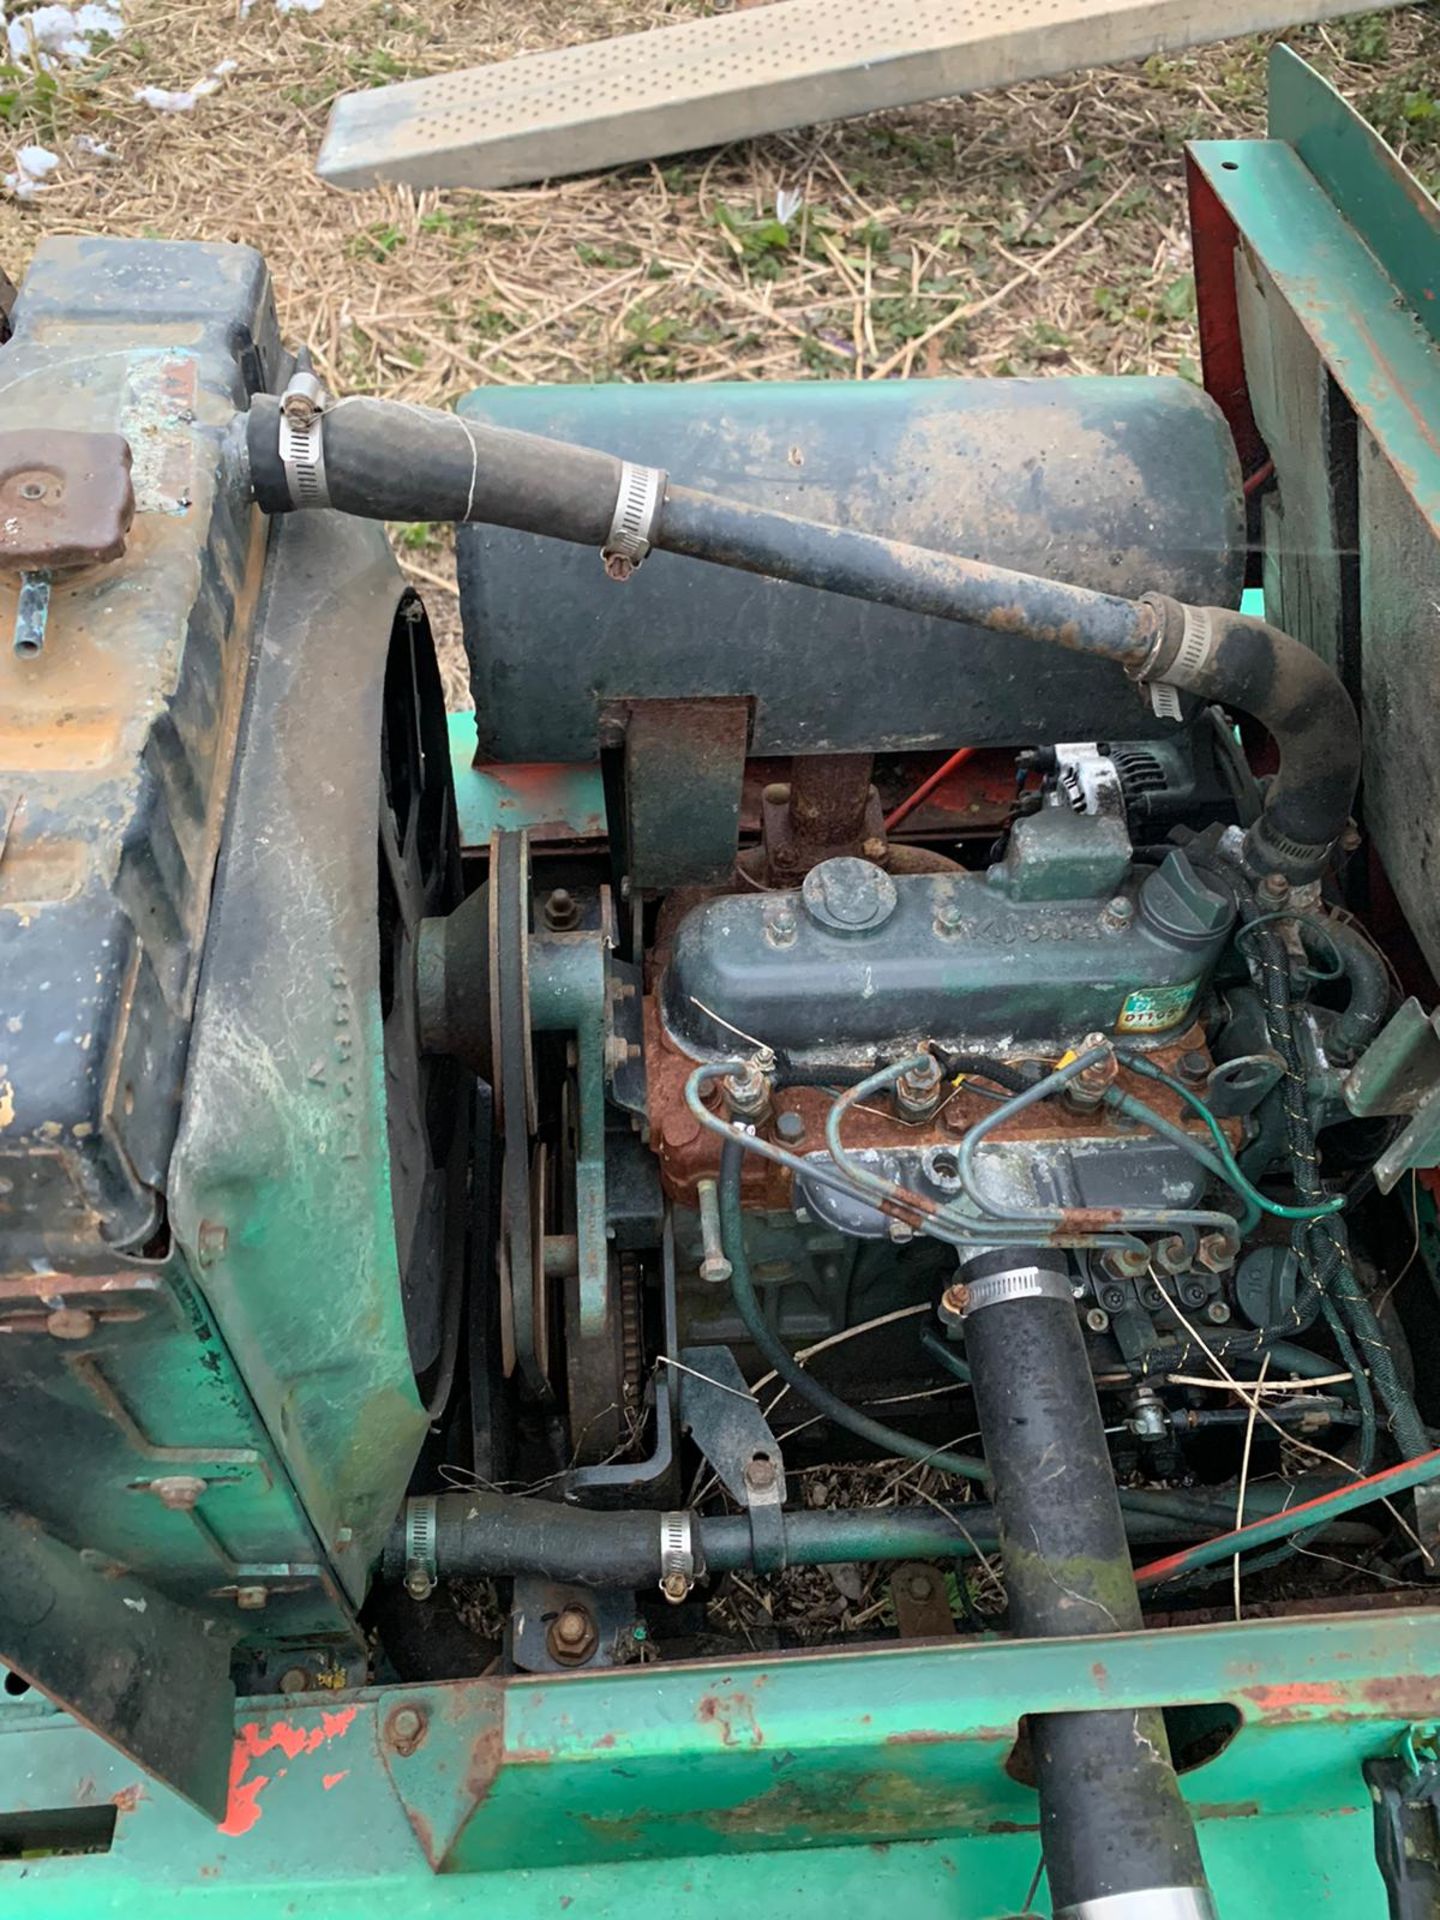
{"x":1283,"y":1695}
{"x":253,"y":1744}
{"x":330,"y":1780}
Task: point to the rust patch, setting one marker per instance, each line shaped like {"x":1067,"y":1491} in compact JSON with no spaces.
{"x":486,"y":1756}
{"x":689,"y":1153}
{"x":734,"y":1715}
{"x":1224,"y":1809}
{"x":128,"y":1799}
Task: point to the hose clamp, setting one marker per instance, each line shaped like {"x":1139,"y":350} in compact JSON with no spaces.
{"x":677,"y":1556}
{"x":637,"y":510}
{"x":421,"y":1528}
{"x":1145,"y":1903}
{"x":1015,"y":1283}
{"x":302,"y":454}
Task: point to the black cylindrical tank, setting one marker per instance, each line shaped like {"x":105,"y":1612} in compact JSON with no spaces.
{"x":1125,"y":485}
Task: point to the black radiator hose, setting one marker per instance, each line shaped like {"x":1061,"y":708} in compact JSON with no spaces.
{"x":481,"y":1535}
{"x":387,"y":460}
{"x":1113,"y":1825}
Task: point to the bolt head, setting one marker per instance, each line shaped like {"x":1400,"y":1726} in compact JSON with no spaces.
{"x":178,"y":1491}
{"x":419,"y":1583}
{"x":919,"y":1586}
{"x":1217,"y":1313}
{"x":405,"y":1729}
{"x":1275,"y":887}
{"x":295,"y":1680}
{"x":1097,"y":1320}
{"x":251,"y":1599}
{"x":675,"y":1588}
{"x":953,"y":1302}
{"x":761,"y":1473}
{"x":572,"y":1627}
{"x":70,"y":1323}
{"x":790,"y":1125}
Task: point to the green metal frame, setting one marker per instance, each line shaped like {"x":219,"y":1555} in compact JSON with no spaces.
{"x":877,"y":1779}
{"x":658,"y":1791}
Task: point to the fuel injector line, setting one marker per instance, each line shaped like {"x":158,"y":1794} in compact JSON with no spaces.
{"x":1117,"y":1836}
{"x":389,"y":460}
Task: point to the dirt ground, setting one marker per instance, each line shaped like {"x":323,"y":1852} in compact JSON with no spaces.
{"x":1036,"y":230}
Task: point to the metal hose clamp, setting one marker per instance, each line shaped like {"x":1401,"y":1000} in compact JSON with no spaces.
{"x":1015,"y":1283}
{"x":421,"y":1527}
{"x":302,"y":454}
{"x":637,"y":508}
{"x":677,"y":1556}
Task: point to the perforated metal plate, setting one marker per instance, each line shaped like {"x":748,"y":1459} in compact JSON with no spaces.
{"x":704,"y":82}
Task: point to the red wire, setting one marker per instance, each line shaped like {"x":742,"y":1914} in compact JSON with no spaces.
{"x":1260,"y":476}
{"x":926,"y":788}
{"x":1178,"y":1562}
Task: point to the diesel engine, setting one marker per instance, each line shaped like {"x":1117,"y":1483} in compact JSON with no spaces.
{"x":887,"y":1042}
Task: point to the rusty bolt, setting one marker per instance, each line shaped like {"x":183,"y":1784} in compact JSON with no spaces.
{"x":675,"y":1587}
{"x":1118,"y":913}
{"x":1217,"y":1313}
{"x":949,"y":918}
{"x":760,"y":1473}
{"x":572,"y":1636}
{"x":178,"y":1491}
{"x":1092,"y":1083}
{"x":562,"y":911}
{"x":1173,"y":1255}
{"x":953,"y":1302}
{"x":295,"y":1680}
{"x":70,"y":1323}
{"x":747,"y":1093}
{"x":874,"y":848}
{"x":1193,"y":1066}
{"x":1125,"y":1263}
{"x":1097,"y":1320}
{"x":405,"y":1729}
{"x":1215,"y":1253}
{"x":917,"y":1091}
{"x":251,"y":1599}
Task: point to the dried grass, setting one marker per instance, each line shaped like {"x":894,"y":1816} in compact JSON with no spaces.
{"x":1037,"y":230}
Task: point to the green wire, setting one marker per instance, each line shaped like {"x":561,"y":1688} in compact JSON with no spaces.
{"x":1138,"y":1064}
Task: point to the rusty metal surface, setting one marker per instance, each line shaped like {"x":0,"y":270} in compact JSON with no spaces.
{"x":689,"y":1152}
{"x":116,"y":743}
{"x":66,"y":498}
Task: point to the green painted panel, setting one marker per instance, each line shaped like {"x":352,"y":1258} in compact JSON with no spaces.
{"x":801,"y":1785}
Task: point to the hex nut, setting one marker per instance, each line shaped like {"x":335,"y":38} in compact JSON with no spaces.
{"x":405,"y":1728}
{"x":572,"y":1636}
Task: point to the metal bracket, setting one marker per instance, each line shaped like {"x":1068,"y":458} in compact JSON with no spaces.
{"x":1399,"y":1072}
{"x":724,"y":1420}
{"x":1405,"y":1795}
